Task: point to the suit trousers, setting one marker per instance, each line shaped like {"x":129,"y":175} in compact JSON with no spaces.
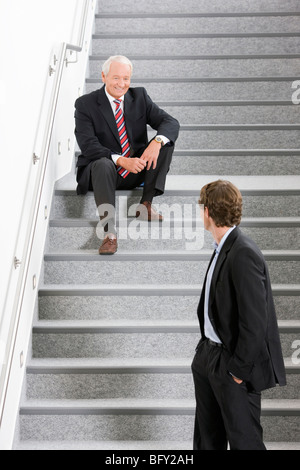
{"x":226,"y":412}
{"x":105,"y":181}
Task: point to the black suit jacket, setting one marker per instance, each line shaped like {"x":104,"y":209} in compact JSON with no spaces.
{"x":243,"y":315}
{"x":96,"y":129}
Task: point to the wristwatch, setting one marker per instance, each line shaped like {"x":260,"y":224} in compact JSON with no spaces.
{"x":159,"y":140}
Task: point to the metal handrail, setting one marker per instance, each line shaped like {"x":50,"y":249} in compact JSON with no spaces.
{"x":40,"y":158}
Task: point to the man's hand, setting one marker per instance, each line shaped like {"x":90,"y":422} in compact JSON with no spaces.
{"x":238,"y":381}
{"x":134,"y":165}
{"x":151,"y":154}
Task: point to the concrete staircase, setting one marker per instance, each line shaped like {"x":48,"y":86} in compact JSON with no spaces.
{"x":113,"y":339}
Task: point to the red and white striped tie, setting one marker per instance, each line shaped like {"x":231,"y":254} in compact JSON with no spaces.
{"x":125,"y":145}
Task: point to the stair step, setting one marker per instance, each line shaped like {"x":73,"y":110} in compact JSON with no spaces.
{"x":220,"y":88}
{"x":145,"y":267}
{"x":133,"y":326}
{"x":132,"y":445}
{"x":210,"y":7}
{"x":199,"y":114}
{"x":122,"y":445}
{"x":144,"y":407}
{"x":120,"y":255}
{"x":152,"y":339}
{"x":213,"y":66}
{"x":122,"y":365}
{"x":234,"y":114}
{"x":191,"y":162}
{"x":238,"y":137}
{"x":191,"y":185}
{"x":235,"y":162}
{"x":113,"y":378}
{"x":136,"y":419}
{"x":253,"y":222}
{"x":173,"y":234}
{"x":193,"y":23}
{"x":238,"y":45}
{"x":124,"y":302}
{"x":140,"y":289}
{"x":269,"y":196}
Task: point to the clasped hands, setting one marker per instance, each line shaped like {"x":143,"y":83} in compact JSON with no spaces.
{"x":148,"y":158}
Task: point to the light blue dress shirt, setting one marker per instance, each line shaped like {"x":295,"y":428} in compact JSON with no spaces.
{"x":208,"y":328}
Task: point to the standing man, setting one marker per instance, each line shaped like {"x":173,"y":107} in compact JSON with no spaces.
{"x":239,"y":353}
{"x":111,"y":131}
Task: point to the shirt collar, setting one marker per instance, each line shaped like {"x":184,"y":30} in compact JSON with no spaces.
{"x":219,"y":247}
{"x":111,"y":98}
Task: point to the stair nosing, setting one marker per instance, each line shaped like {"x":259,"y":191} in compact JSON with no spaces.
{"x":198,"y":15}
{"x":224,"y":103}
{"x":263,"y":222}
{"x":134,"y":326}
{"x":269,"y":407}
{"x":141,"y":290}
{"x":205,"y":79}
{"x":236,"y":152}
{"x":147,"y":36}
{"x":100,"y":57}
{"x":127,"y":366}
{"x":239,"y":127}
{"x":203,"y":255}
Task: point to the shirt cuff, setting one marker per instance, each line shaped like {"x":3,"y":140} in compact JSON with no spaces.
{"x":164,"y":139}
{"x":114,"y":157}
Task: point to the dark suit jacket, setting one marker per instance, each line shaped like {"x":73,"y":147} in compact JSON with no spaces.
{"x":96,"y":129}
{"x":243,"y":315}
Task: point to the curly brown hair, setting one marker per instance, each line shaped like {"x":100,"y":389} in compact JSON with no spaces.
{"x":224,"y":203}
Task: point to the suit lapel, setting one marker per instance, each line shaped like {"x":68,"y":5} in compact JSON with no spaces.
{"x":200,"y":309}
{"x":107,"y":113}
{"x":129,"y":114}
{"x":220,"y":261}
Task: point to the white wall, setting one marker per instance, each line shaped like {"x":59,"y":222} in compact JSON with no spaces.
{"x":28,"y":31}
{"x":31,"y":32}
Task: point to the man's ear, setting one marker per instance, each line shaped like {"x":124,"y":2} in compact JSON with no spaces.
{"x":103,"y":77}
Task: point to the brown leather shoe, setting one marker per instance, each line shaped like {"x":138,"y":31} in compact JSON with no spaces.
{"x":109,"y":246}
{"x":148,"y":213}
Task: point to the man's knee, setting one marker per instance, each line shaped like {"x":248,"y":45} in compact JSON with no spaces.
{"x":103,"y":166}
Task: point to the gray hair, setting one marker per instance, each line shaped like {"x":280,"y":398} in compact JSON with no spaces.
{"x":115,"y":58}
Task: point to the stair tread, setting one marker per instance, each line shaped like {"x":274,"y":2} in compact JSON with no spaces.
{"x":186,"y":35}
{"x":131,"y":445}
{"x":195,"y":183}
{"x":155,"y":255}
{"x":220,"y":103}
{"x":128,"y":324}
{"x":203,"y":14}
{"x":114,"y":289}
{"x":87,"y":364}
{"x":107,"y":323}
{"x":100,"y":57}
{"x":109,"y":445}
{"x":246,"y":220}
{"x":266,"y":78}
{"x":103,"y":363}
